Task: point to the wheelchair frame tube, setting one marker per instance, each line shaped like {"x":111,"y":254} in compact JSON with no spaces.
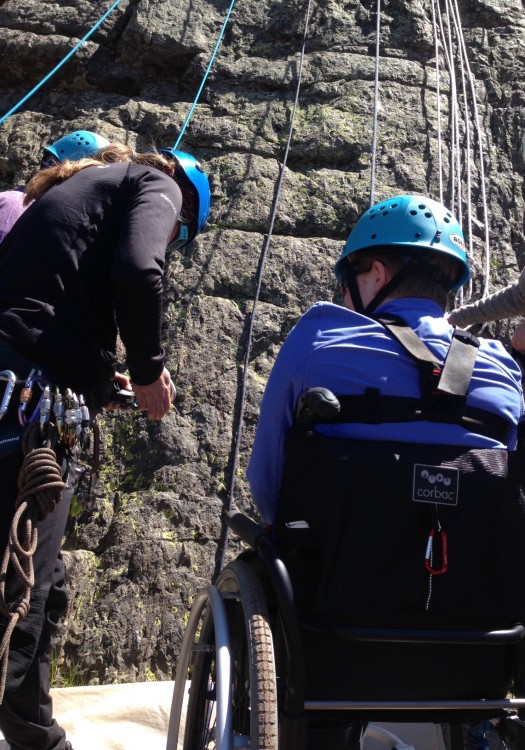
{"x":223,"y":728}
{"x":480,"y":705}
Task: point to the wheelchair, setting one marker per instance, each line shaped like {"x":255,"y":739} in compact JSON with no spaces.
{"x":391,"y":590}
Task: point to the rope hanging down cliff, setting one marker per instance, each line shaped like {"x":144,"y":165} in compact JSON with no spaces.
{"x":206,"y":73}
{"x":86,"y":37}
{"x":465,"y":132}
{"x":61,"y":63}
{"x":260,"y":271}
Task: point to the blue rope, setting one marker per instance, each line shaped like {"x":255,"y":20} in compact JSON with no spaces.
{"x":214,"y":54}
{"x":57,"y":67}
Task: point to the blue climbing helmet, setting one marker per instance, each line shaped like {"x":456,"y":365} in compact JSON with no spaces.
{"x":412,"y":222}
{"x":200,"y":185}
{"x":73,"y":146}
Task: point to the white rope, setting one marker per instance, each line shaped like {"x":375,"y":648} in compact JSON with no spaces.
{"x":466,"y":121}
{"x":479,"y":135}
{"x":376,"y":106}
{"x":454,"y":49}
{"x":455,"y":151}
{"x":438,"y":104}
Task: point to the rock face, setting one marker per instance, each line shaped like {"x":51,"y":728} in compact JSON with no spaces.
{"x":150,"y":533}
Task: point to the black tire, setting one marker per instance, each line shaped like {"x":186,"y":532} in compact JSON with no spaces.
{"x":254,"y":693}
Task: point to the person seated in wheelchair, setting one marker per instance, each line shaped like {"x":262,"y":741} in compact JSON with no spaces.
{"x":397,"y":374}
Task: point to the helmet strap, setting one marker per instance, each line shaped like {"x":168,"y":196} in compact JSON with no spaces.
{"x":183,"y":235}
{"x":412,"y":265}
{"x":394,"y":282}
{"x":353,"y":289}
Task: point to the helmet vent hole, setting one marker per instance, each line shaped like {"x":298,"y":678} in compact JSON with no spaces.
{"x":413,"y":212}
{"x":417,"y":235}
{"x":394,"y":205}
{"x":422,"y":207}
{"x":428,"y":215}
{"x":446,"y":220}
{"x":384,"y":213}
{"x":373,"y":236}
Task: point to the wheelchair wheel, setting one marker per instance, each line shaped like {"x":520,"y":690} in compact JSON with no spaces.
{"x":253,"y":705}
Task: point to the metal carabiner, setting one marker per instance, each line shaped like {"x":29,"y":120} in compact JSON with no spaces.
{"x":59,"y":411}
{"x":444,"y":554}
{"x":46,"y":403}
{"x":10,"y":377}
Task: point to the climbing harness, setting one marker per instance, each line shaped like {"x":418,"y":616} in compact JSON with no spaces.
{"x":443,"y":387}
{"x":40,"y":481}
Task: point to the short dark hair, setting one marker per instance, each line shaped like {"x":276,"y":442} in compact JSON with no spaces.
{"x":419,"y":282}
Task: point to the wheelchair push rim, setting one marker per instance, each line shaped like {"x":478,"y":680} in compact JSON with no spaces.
{"x":232,"y":699}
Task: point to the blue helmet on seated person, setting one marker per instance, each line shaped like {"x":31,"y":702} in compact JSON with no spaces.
{"x":192,"y":171}
{"x":410,"y":222}
{"x":73,"y":146}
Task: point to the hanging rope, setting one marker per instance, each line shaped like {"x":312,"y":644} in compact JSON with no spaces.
{"x":376,"y":106}
{"x":438,"y":104}
{"x":213,"y":55}
{"x":479,"y":138}
{"x":39,"y":490}
{"x":259,"y":276}
{"x":454,"y":48}
{"x":60,"y":64}
{"x":467,"y":141}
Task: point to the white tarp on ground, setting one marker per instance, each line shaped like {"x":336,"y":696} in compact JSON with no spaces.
{"x":114,"y":717}
{"x":135,"y":717}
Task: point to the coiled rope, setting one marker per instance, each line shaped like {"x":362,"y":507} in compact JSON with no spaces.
{"x":260,"y":271}
{"x":39,"y":490}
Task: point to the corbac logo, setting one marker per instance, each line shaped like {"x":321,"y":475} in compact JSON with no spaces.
{"x":435,"y":484}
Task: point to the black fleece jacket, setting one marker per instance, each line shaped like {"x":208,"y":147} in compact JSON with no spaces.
{"x":84,"y":261}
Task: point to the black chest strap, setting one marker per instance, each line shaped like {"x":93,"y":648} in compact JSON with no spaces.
{"x":372,"y":407}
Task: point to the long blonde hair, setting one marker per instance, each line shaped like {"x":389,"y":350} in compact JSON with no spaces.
{"x":45,"y":178}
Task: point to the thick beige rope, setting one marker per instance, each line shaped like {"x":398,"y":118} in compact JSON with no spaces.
{"x":39,"y":490}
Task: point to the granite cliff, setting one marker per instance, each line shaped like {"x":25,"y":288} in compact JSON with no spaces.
{"x":150,"y":534}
